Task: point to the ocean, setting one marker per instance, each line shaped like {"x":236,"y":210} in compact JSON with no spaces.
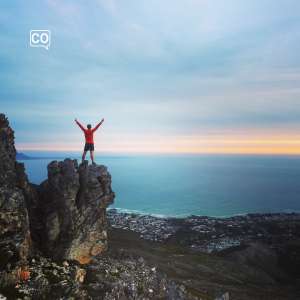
{"x":200,"y":184}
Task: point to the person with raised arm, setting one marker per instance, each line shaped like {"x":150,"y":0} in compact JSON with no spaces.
{"x":89,"y":139}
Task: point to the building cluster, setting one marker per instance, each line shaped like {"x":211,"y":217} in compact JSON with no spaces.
{"x":222,"y":243}
{"x":149,"y":227}
{"x":209,"y":234}
{"x":215,"y":234}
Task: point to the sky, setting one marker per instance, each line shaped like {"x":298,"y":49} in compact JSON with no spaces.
{"x":176,"y":76}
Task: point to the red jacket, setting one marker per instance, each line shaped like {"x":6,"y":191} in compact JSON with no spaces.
{"x":89,"y":137}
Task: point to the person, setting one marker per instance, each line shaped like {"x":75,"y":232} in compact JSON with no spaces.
{"x":89,"y":139}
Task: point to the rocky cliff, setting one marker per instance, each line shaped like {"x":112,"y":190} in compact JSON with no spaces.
{"x":15,"y":239}
{"x":72,"y":205}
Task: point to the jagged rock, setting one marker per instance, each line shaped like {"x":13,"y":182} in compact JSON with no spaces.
{"x":158,"y":284}
{"x":73,"y":201}
{"x":117,"y":292}
{"x":14,"y":220}
{"x":140,"y":264}
{"x":35,"y":289}
{"x":126,"y":277}
{"x":131,"y":290}
{"x":130,"y":264}
{"x":224,"y":297}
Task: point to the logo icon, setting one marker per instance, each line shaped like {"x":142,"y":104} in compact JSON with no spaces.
{"x":40,"y":38}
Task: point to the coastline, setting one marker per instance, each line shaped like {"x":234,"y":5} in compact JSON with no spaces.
{"x":182,"y":216}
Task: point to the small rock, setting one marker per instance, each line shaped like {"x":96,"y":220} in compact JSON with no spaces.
{"x":77,"y":274}
{"x":114,"y":271}
{"x":65,"y":264}
{"x":8,"y":266}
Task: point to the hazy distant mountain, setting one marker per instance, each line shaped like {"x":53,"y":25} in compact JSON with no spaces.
{"x":21,"y":156}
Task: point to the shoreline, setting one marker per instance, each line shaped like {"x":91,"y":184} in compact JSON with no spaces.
{"x":186,"y":216}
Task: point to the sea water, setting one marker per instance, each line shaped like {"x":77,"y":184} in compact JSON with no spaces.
{"x":199,"y":184}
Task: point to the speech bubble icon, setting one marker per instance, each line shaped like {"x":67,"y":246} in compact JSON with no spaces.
{"x":40,"y":38}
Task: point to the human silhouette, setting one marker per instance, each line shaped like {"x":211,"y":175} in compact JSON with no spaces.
{"x":89,"y":139}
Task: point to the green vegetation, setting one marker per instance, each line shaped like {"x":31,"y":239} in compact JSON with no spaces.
{"x":199,"y":294}
{"x":6,"y":258}
{"x":16,"y":255}
{"x":59,"y":263}
{"x":11,"y":293}
{"x":90,"y":277}
{"x":140,"y":290}
{"x":293,"y":223}
{"x":88,"y":289}
{"x":53,"y":278}
{"x":52,"y":295}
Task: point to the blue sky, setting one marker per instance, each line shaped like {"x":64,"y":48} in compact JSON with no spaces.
{"x":183,"y":76}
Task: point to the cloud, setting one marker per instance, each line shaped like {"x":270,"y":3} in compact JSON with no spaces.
{"x":110,"y":6}
{"x":154,"y":68}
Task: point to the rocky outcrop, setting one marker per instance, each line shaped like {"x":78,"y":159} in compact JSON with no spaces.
{"x":261,"y":256}
{"x":113,"y":276}
{"x":72,"y":205}
{"x":15,"y":239}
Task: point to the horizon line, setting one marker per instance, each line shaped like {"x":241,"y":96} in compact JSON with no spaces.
{"x":260,"y":151}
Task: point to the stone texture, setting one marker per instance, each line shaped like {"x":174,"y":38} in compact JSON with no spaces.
{"x":172,"y":293}
{"x":224,"y":297}
{"x":77,"y":274}
{"x":14,"y":221}
{"x":73,"y":202}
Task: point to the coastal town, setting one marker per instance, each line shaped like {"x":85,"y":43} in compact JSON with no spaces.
{"x":211,"y":234}
{"x":150,"y":228}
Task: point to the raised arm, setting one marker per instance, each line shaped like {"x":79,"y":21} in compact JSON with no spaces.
{"x":83,"y":129}
{"x":98,"y":125}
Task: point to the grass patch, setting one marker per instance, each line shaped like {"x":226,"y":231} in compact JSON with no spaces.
{"x":292,"y":223}
{"x":52,"y":295}
{"x":11,"y":293}
{"x":88,"y":289}
{"x":53,"y":278}
{"x":5,"y":258}
{"x":199,"y":294}
{"x":89,"y":277}
{"x":59,"y":263}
